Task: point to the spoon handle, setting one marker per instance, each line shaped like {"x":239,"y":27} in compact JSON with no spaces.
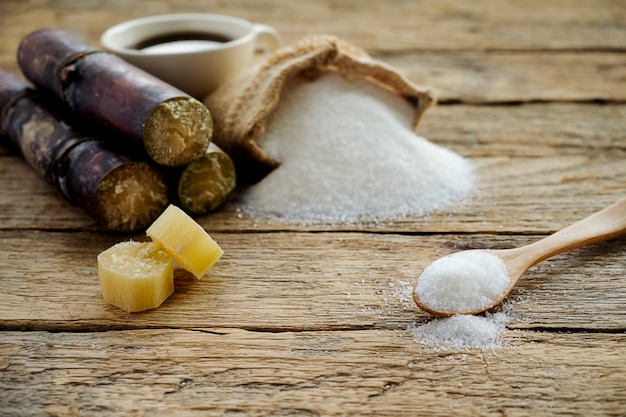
{"x":606,"y":224}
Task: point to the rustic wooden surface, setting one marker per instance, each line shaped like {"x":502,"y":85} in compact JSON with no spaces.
{"x":311,"y":320}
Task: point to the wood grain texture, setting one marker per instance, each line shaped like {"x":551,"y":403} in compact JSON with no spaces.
{"x":401,"y":25}
{"x":300,"y":281}
{"x":311,"y":320}
{"x":234,"y":372}
{"x":458,"y":48}
{"x":504,"y":76}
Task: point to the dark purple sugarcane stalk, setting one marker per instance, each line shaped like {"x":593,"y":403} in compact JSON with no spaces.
{"x":84,"y":169}
{"x":172,"y":127}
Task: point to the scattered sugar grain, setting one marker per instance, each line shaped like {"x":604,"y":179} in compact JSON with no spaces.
{"x":458,"y":331}
{"x":461,"y":331}
{"x":347,"y":152}
{"x":402,"y":290}
{"x":461,"y":282}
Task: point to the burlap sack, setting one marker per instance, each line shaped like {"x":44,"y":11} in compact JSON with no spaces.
{"x":241,"y":107}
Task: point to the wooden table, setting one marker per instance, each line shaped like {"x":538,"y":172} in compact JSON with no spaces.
{"x":311,"y":321}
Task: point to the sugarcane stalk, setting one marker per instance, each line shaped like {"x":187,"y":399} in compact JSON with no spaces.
{"x":171,"y":126}
{"x":122,"y":194}
{"x":206,"y":183}
{"x":11,"y":89}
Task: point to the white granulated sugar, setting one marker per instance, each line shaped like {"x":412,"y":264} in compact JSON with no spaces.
{"x":347,"y":152}
{"x":461,"y":331}
{"x":462,"y":282}
{"x":402,"y":290}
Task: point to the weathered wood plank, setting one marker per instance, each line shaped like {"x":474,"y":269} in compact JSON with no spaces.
{"x":488,"y":77}
{"x":28,"y":201}
{"x":379,"y":373}
{"x":464,"y":54}
{"x":495,"y":77}
{"x":533,"y":130}
{"x":292,"y":281}
{"x":385,"y":26}
{"x":291,"y":322}
{"x":512,"y":195}
{"x":539,"y":167}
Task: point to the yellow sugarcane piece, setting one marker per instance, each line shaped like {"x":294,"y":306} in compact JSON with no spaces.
{"x":135,"y":276}
{"x":184,"y":239}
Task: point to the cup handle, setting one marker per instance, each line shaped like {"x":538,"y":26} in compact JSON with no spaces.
{"x":267,"y":39}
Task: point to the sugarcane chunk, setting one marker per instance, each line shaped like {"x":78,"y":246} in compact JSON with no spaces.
{"x":189,"y":244}
{"x":178,"y":131}
{"x":135,"y":276}
{"x":207,"y":182}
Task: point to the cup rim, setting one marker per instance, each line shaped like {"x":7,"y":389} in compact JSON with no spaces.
{"x":107,"y":39}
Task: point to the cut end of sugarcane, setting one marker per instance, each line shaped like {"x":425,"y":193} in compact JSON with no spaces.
{"x":130,"y":197}
{"x":207,"y":182}
{"x":178,"y":131}
{"x":185,"y":240}
{"x":135,"y":276}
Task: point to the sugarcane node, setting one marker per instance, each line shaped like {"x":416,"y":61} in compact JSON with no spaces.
{"x":67,"y":75}
{"x":12,"y":89}
{"x":4,"y":110}
{"x":59,"y":168}
{"x":48,"y":53}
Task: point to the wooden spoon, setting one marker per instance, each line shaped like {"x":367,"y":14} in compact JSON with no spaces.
{"x":606,"y":224}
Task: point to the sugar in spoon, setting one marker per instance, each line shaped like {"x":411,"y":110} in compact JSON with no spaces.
{"x":473,"y":281}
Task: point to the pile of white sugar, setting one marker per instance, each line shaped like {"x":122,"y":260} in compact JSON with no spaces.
{"x":458,"y":331}
{"x":461,"y":331}
{"x":347,"y":152}
{"x":462,"y":282}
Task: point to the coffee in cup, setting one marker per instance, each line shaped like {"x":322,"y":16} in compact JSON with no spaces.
{"x":195,"y":52}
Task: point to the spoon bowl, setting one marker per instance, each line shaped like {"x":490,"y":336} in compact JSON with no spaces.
{"x":606,"y":224}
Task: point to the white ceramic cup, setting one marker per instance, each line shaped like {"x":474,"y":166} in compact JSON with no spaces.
{"x":181,"y":57}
